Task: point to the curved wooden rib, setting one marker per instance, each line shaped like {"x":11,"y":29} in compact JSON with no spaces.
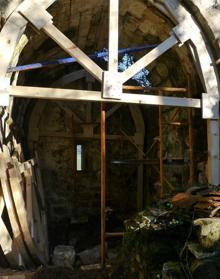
{"x":6,"y":242}
{"x":11,"y":34}
{"x":17,"y":233}
{"x":37,"y":205}
{"x":16,"y":192}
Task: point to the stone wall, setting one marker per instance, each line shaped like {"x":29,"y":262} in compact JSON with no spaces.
{"x":76,"y":194}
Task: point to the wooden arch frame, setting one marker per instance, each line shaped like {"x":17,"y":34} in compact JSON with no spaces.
{"x":187,"y":29}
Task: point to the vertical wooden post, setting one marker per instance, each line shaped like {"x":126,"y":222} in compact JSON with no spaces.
{"x":103,"y":182}
{"x":113,"y":35}
{"x":191,"y":171}
{"x":213,"y":151}
{"x":74,"y":147}
{"x":161,"y":151}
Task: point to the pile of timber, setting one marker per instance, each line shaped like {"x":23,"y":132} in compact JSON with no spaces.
{"x":204,"y":201}
{"x":23,"y":228}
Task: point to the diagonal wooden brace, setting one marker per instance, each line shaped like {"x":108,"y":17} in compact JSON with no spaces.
{"x":42,"y":20}
{"x":149,"y":58}
{"x":35,"y":14}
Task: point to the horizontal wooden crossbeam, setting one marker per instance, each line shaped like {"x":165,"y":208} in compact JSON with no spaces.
{"x":95,"y":96}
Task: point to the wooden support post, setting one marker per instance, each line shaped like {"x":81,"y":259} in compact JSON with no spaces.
{"x":161,"y":151}
{"x":213,"y":151}
{"x":103,"y":182}
{"x":113,"y":35}
{"x":191,"y":165}
{"x":140,"y":188}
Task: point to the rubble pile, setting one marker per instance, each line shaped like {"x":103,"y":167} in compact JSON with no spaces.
{"x":180,"y":238}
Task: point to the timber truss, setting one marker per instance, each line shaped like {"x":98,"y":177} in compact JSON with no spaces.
{"x":112,"y":90}
{"x":112,"y":81}
{"x":187,"y":30}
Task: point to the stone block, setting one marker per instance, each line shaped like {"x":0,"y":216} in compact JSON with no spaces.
{"x":137,"y":9}
{"x":64,"y":256}
{"x":209,"y":232}
{"x":90,"y":256}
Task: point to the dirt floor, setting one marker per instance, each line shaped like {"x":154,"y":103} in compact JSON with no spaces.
{"x":59,"y":273}
{"x":67,"y":273}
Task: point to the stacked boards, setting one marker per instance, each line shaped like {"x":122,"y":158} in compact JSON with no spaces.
{"x":23,"y":224}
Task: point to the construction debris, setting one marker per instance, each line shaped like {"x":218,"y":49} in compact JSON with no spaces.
{"x":176,"y":238}
{"x":204,"y":201}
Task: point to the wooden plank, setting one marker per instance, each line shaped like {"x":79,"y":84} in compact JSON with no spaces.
{"x":39,"y":188}
{"x":6,"y":241}
{"x":17,"y":232}
{"x":161,"y":151}
{"x":86,"y":136}
{"x":69,"y":78}
{"x":95,"y":96}
{"x":139,"y":142}
{"x":35,"y":208}
{"x":39,"y":18}
{"x":16,"y":193}
{"x":213,"y":152}
{"x":155,"y":89}
{"x":113,"y":35}
{"x":68,"y":46}
{"x":103,"y":183}
{"x":9,"y":38}
{"x":38,"y":222}
{"x":29,"y":202}
{"x":148,"y":58}
{"x":109,"y":112}
{"x":115,"y":234}
{"x":190,"y":130}
{"x":38,"y":178}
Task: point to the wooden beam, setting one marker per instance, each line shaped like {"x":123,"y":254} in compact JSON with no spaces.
{"x":155,"y":89}
{"x":113,"y":35}
{"x":86,"y":136}
{"x":6,"y":241}
{"x":213,"y":152}
{"x":148,"y":58}
{"x":103,"y":183}
{"x":42,"y":21}
{"x":95,"y":96}
{"x":190,"y":130}
{"x":109,"y":113}
{"x":161,"y":151}
{"x":68,"y":46}
{"x":18,"y":240}
{"x":139,"y":142}
{"x":69,"y":78}
{"x":115,"y":234}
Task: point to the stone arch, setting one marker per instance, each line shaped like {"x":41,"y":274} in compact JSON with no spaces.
{"x":16,"y":24}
